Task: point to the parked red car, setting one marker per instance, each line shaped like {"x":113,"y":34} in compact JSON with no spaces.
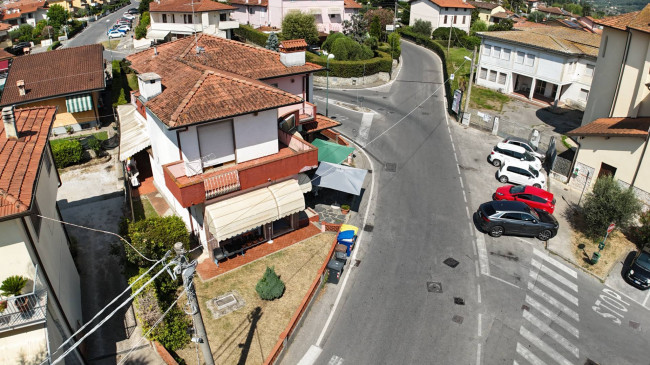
{"x":532,"y":196}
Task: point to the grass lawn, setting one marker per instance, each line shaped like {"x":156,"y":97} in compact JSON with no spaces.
{"x":483,"y":98}
{"x":133,"y":81}
{"x":234,"y":338}
{"x":142,"y":209}
{"x":112,"y":44}
{"x":100,"y":136}
{"x":616,"y":247}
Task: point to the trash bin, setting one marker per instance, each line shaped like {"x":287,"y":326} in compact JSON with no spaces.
{"x":348,"y":247}
{"x":595,"y":258}
{"x":335,"y":268}
{"x":341,"y":256}
{"x":347,"y":238}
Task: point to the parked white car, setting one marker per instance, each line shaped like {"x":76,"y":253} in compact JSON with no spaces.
{"x":520,"y":172}
{"x":115,"y":34}
{"x":521,"y":142}
{"x":505,"y":152}
{"x":127,"y":15}
{"x":124,"y":28}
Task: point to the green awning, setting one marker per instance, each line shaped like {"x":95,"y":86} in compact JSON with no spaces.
{"x":79,"y":103}
{"x":332,"y":152}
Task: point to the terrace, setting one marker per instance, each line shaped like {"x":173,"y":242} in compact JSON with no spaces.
{"x":27,"y":309}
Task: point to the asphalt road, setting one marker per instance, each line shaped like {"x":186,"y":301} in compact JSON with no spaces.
{"x":521,"y":306}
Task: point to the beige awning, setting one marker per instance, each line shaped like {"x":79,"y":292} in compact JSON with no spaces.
{"x":157,"y":34}
{"x":305,"y":182}
{"x":133,"y":134}
{"x":230,"y":217}
{"x":333,"y":11}
{"x":315,"y":11}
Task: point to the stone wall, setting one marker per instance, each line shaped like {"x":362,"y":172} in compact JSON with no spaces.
{"x":352,"y":81}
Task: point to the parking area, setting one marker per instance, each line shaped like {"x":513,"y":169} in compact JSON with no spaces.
{"x":615,"y":281}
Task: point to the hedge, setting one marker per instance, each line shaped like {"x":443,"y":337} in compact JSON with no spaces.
{"x":427,"y":42}
{"x":248,"y":33}
{"x":66,"y":153}
{"x":382,"y":63}
{"x":54,"y":45}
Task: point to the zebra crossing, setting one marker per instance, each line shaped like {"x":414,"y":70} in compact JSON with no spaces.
{"x":550,"y":315}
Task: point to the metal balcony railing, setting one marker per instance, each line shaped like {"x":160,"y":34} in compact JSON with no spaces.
{"x":26,"y":309}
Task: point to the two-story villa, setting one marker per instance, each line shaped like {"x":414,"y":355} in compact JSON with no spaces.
{"x":329,"y":14}
{"x":34,"y":323}
{"x":179,"y":18}
{"x":224,"y":121}
{"x":486,"y":11}
{"x":545,"y":63}
{"x":442,"y":13}
{"x":24,"y":12}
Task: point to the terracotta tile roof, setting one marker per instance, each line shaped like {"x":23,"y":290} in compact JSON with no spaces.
{"x":619,"y":22}
{"x":483,"y":5}
{"x":185,"y":6}
{"x":351,"y":4}
{"x":501,"y":15}
{"x":452,"y":4}
{"x":526,"y":24}
{"x":293,"y":44}
{"x":4,"y":54}
{"x":555,"y":11}
{"x":20,"y":159}
{"x":266,"y":28}
{"x":558,"y":39}
{"x":319,"y":123}
{"x":50,"y":74}
{"x":15,"y":10}
{"x":263,"y":3}
{"x":4,"y":27}
{"x":614,"y":127}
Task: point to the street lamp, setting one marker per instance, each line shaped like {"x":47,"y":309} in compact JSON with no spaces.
{"x":327,"y":93}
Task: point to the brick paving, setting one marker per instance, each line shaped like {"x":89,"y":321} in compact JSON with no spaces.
{"x":208,"y":269}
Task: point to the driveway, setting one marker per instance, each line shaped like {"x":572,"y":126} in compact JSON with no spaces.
{"x":92,"y":197}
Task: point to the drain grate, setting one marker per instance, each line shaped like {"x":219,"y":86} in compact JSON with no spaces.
{"x":390,"y":167}
{"x":525,"y":307}
{"x":357,"y":263}
{"x":434,"y":287}
{"x":458,"y":319}
{"x":451,"y":262}
{"x":459,"y":301}
{"x":368,"y":227}
{"x":634,"y":325}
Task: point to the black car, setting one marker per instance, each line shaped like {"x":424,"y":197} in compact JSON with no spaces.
{"x":19,"y":48}
{"x":516,"y":218}
{"x":132,"y":11}
{"x":638,"y":274}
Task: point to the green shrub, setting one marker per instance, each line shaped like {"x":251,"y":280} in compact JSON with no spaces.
{"x":371,"y":42}
{"x":272,"y":42}
{"x":422,"y":27}
{"x":642,"y":233}
{"x":94,"y":144}
{"x":407,"y":33}
{"x":270,"y":286}
{"x":457,"y":35}
{"x":13,"y":285}
{"x":347,"y":69}
{"x":141,"y":29}
{"x":608,"y":202}
{"x":55,"y":45}
{"x":251,"y":35}
{"x":67,"y":152}
{"x":299,"y":26}
{"x":470,"y":42}
{"x":154,"y":236}
{"x":346,"y":49}
{"x":327,"y":45}
{"x":395,"y":49}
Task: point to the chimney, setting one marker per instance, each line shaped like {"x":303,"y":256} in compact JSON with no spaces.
{"x":155,"y":51}
{"x":292,"y":52}
{"x":21,"y":87}
{"x":10,"y":122}
{"x":150,"y":85}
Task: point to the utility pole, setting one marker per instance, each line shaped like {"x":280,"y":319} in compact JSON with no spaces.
{"x":451,"y":25}
{"x":471,"y":79}
{"x":187,"y":273}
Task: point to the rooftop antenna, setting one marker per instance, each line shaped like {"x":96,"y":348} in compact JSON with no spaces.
{"x":196,"y":38}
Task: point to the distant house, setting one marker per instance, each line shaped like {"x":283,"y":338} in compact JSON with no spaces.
{"x":614,"y":132}
{"x":552,"y":64}
{"x":48,"y":310}
{"x":180,"y":18}
{"x":442,"y":13}
{"x":329,"y":14}
{"x":24,"y":12}
{"x":4,"y":35}
{"x":534,"y":4}
{"x":486,"y":11}
{"x":70,"y":79}
{"x":555,"y":11}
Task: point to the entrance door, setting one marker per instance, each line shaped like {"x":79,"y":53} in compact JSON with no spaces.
{"x":606,"y":170}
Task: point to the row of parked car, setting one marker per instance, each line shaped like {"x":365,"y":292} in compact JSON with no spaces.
{"x":123,"y":25}
{"x":525,"y":209}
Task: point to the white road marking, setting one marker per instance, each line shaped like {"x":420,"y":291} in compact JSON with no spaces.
{"x":465,"y":199}
{"x":556,"y":263}
{"x":526,"y":354}
{"x":311,"y":355}
{"x":537,"y":342}
{"x":479,"y":324}
{"x":478,"y":290}
{"x":478,"y":273}
{"x":462,"y":186}
{"x":523,"y":240}
{"x":627,"y":296}
{"x":536,"y":264}
{"x":646,"y":298}
{"x":453,"y":147}
{"x":458,"y":168}
{"x":466,"y":208}
{"x":503,"y":281}
{"x":552,"y":333}
{"x":364,"y":128}
{"x":552,"y":316}
{"x":554,"y":302}
{"x":482,"y":255}
{"x":478,"y":349}
{"x":471,"y":230}
{"x":335,"y":360}
{"x":547,"y":283}
{"x":451,"y":138}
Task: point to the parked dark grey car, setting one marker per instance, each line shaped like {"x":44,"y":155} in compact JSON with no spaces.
{"x":638,"y":274}
{"x":516,"y":218}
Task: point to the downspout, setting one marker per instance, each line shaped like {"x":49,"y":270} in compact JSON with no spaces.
{"x":620,"y":74}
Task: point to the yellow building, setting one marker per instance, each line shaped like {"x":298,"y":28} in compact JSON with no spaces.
{"x":486,"y":11}
{"x":70,"y":79}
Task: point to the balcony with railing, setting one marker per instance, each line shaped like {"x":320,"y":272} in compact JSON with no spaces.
{"x":294,"y":156}
{"x":306,"y":111}
{"x":26,"y":309}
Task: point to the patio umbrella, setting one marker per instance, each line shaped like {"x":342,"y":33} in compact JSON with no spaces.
{"x":338,"y":177}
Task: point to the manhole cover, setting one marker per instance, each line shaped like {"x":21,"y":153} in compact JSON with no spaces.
{"x":525,"y":307}
{"x":368,"y":227}
{"x":391,"y":167}
{"x":634,"y":325}
{"x":384,"y":97}
{"x":333,"y":117}
{"x":451,"y":262}
{"x":357,"y":263}
{"x":459,"y":301}
{"x":458,"y":319}
{"x":434,"y":287}
{"x":590,"y":362}
{"x":425,"y":113}
{"x":225,"y":301}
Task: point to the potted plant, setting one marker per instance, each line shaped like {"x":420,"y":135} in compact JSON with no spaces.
{"x":345,"y":209}
{"x":13,"y":285}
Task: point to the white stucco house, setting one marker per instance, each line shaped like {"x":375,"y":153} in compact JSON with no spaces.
{"x":550,"y":64}
{"x":48,"y":311}
{"x":442,"y":13}
{"x":23,"y":12}
{"x":329,"y":14}
{"x":172,"y":19}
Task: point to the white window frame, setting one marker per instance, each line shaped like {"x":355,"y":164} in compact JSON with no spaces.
{"x":530,"y":59}
{"x":519,"y":57}
{"x":589,"y":70}
{"x":496,"y":52}
{"x":493,"y":79}
{"x":505,"y":54}
{"x":483,"y":73}
{"x":502,"y":78}
{"x":487,"y":50}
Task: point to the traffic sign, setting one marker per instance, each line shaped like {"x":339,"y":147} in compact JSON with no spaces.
{"x":611,"y":228}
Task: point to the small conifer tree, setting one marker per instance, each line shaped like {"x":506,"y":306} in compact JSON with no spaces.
{"x":272,"y":42}
{"x":270,"y":287}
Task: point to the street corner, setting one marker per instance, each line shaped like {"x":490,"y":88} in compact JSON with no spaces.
{"x":616,"y":281}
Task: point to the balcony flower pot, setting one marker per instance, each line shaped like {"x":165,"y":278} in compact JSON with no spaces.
{"x":345,"y":209}
{"x":3,"y":305}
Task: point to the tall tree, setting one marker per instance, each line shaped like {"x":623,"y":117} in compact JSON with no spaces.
{"x":375,"y":27}
{"x":385,"y":17}
{"x":299,"y":26}
{"x":405,"y":15}
{"x":57,"y":16}
{"x":356,"y":28}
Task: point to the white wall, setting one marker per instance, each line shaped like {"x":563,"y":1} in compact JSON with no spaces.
{"x":13,"y":245}
{"x":428,"y":11}
{"x":256,"y":136}
{"x":286,"y":84}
